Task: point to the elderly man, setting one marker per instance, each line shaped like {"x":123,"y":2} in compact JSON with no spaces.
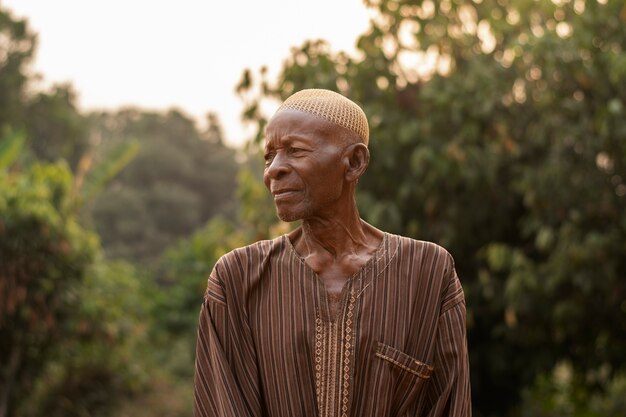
{"x":336,"y":318}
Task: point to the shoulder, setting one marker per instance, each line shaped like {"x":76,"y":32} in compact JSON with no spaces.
{"x":240,"y":260}
{"x":423,"y":251}
{"x":432,"y":265}
{"x":236,"y":270}
{"x":259,"y":248}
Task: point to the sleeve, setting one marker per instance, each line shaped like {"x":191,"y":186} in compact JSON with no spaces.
{"x":449,"y":393}
{"x":226,"y":375}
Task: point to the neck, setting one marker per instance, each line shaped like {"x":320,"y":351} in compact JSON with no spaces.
{"x":342,"y":234}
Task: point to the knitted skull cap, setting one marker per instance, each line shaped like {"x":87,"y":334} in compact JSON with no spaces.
{"x":330,"y":106}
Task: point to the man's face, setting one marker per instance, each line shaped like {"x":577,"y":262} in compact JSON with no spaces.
{"x":303,"y":165}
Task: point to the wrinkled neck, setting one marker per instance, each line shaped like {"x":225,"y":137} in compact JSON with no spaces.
{"x":339,"y":235}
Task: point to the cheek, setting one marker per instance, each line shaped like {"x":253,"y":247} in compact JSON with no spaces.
{"x":328,"y":186}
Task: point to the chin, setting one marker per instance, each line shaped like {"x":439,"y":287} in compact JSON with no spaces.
{"x":291,"y":214}
{"x":288,"y":217}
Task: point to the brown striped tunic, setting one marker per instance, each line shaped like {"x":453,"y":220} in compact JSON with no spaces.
{"x":267,"y":345}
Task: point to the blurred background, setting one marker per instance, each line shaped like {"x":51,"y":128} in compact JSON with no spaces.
{"x":498,"y":130}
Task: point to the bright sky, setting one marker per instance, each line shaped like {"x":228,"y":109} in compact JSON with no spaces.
{"x":188,"y":54}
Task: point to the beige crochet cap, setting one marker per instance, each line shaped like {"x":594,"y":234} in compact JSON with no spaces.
{"x":330,"y":106}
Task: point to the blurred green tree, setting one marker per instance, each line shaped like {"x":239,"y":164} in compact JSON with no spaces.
{"x":564,"y":393}
{"x":16,"y":51}
{"x":44,"y":255}
{"x":73,"y":327}
{"x":180,"y":179}
{"x":502,"y":124}
{"x":56,"y":129}
{"x":105,"y":357}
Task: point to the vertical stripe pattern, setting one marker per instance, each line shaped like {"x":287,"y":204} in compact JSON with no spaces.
{"x":267,"y":345}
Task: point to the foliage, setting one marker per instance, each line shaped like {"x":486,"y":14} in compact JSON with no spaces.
{"x":179,"y":179}
{"x":44,"y":255}
{"x":55,"y":127}
{"x":563,"y":393}
{"x":502,"y":124}
{"x":73,"y":326}
{"x":105,"y":358}
{"x":188,"y":264}
{"x":91,"y":180}
{"x":10,"y":148}
{"x":16,"y":51}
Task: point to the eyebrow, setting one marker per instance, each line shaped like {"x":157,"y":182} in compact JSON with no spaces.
{"x":287,"y":140}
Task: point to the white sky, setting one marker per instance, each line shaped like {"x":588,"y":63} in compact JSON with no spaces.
{"x":188,"y":54}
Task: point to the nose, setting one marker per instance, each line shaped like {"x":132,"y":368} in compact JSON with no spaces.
{"x":276,"y":168}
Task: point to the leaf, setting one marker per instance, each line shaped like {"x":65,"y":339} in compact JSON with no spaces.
{"x":10,"y":148}
{"x":96,"y":178}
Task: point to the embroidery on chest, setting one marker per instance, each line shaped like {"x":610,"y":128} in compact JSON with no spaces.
{"x":334,"y":361}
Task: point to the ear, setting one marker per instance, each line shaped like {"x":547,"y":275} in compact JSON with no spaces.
{"x":357,"y":158}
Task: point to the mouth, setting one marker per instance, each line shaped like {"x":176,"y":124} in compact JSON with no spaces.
{"x":284,"y":193}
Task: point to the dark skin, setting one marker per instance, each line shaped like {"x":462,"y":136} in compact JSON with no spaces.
{"x":312,"y":168}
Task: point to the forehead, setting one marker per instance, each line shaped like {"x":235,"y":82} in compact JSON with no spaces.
{"x":290,"y":125}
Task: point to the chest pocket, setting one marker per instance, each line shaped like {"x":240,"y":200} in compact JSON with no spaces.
{"x":409,"y":377}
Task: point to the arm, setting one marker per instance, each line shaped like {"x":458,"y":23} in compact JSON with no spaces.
{"x":226,"y":380}
{"x":449,"y":392}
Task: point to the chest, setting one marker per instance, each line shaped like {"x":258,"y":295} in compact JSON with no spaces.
{"x":334,"y":277}
{"x":338,"y":361}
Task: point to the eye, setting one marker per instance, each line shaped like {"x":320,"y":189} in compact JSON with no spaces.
{"x":296,"y":151}
{"x":269,"y":157}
